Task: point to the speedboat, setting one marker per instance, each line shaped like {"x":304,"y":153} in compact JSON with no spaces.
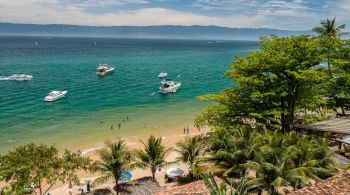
{"x":55,"y":95}
{"x":162,"y":74}
{"x":104,"y":69}
{"x":20,"y":77}
{"x":168,"y":86}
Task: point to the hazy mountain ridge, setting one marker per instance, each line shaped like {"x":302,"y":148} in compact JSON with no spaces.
{"x":165,"y":31}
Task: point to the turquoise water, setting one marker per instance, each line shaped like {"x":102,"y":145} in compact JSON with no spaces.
{"x":132,"y":91}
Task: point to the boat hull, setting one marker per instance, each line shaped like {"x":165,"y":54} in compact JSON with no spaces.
{"x":51,"y":99}
{"x":105,"y":73}
{"x":172,"y":89}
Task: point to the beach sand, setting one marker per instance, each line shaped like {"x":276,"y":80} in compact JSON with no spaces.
{"x":169,"y":140}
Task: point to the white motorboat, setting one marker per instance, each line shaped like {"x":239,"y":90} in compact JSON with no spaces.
{"x":55,"y":95}
{"x":167,"y":86}
{"x":162,"y":74}
{"x":104,"y":69}
{"x":20,"y":77}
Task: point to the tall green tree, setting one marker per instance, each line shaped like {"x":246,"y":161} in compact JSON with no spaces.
{"x":339,"y":91}
{"x":153,"y":155}
{"x":37,"y":168}
{"x":189,"y":152}
{"x":116,"y":159}
{"x":270,"y":84}
{"x":30,"y":167}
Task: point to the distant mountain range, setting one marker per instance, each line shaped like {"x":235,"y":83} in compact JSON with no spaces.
{"x":163,"y":32}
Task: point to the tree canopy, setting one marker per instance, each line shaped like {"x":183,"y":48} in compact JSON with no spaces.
{"x":272,"y":84}
{"x":36,"y":168}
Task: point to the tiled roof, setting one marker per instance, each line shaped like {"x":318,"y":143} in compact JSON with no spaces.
{"x":336,"y":185}
{"x":194,"y":188}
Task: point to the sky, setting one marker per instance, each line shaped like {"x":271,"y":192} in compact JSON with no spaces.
{"x":279,"y":14}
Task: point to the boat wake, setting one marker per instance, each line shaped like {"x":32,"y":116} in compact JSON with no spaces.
{"x":178,"y":76}
{"x":4,"y":78}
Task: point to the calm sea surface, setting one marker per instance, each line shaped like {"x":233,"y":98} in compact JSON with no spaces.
{"x":94,"y":106}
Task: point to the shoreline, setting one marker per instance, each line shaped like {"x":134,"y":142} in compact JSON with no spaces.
{"x":168,"y":141}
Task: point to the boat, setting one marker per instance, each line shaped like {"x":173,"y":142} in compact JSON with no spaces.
{"x":168,"y":86}
{"x":55,"y":95}
{"x":20,"y":77}
{"x":104,"y":69}
{"x":162,"y":74}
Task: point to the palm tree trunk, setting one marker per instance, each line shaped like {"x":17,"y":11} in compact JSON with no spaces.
{"x":116,"y":186}
{"x":153,"y":174}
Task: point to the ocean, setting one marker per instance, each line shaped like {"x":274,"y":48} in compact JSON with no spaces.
{"x":94,"y":106}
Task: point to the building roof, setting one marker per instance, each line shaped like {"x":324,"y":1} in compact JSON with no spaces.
{"x":335,"y":125}
{"x":336,"y":185}
{"x":194,"y":188}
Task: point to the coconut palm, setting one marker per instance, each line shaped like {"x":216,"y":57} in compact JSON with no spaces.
{"x":223,"y":189}
{"x":288,"y":160}
{"x":116,"y":159}
{"x":232,"y":148}
{"x":189,"y":151}
{"x":328,"y":28}
{"x":153,"y":155}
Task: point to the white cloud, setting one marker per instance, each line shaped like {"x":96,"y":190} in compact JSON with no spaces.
{"x":282,"y":14}
{"x":56,"y":12}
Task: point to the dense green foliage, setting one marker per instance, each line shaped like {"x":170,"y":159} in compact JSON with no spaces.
{"x":283,"y":78}
{"x":153,"y":155}
{"x":36,"y":168}
{"x":277,"y":159}
{"x":253,"y":121}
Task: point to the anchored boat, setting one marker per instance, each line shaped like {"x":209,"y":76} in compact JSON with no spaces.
{"x":168,"y":86}
{"x":55,"y":95}
{"x":104,"y":69}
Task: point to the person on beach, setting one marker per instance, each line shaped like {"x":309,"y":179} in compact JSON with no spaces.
{"x":111,"y":127}
{"x":88,"y":186}
{"x":184,"y":130}
{"x":127,"y":118}
{"x":188,"y":130}
{"x":119,"y":125}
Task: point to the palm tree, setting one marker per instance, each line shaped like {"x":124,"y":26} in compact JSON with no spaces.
{"x":288,"y":160}
{"x":328,"y":28}
{"x":189,"y":150}
{"x":153,"y":155}
{"x":232,"y":148}
{"x":115,"y":161}
{"x":223,"y":189}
